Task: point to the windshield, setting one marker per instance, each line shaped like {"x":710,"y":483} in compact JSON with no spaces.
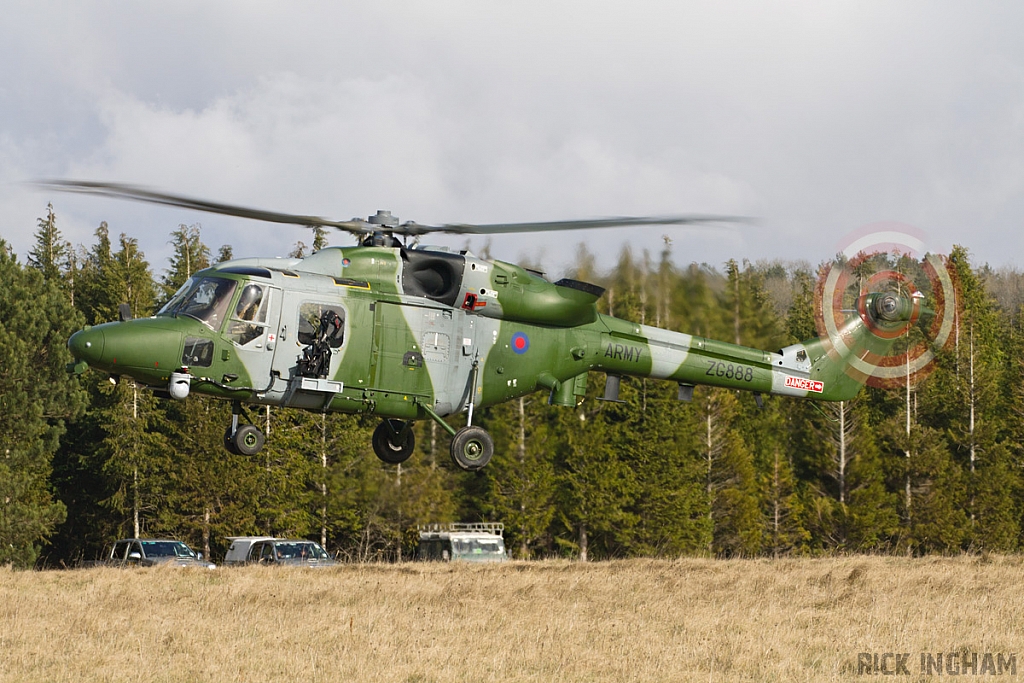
{"x":178,"y":297}
{"x":205,"y":300}
{"x":166,"y":549}
{"x":469,"y":547}
{"x":301,"y":551}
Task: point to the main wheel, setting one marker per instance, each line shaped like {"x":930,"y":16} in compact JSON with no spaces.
{"x":393,"y":441}
{"x":472,"y":448}
{"x":248,"y":440}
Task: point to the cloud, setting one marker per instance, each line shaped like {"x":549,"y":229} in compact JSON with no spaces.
{"x":814,"y":118}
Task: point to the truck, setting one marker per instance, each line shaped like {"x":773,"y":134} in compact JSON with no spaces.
{"x":462,"y":541}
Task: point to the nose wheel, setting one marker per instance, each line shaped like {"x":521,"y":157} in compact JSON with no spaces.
{"x":247,"y":440}
{"x":244,"y":439}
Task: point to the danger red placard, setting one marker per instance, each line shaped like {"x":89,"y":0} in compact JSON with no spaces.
{"x":814,"y":385}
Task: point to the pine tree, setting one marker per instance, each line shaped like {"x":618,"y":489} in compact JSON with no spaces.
{"x":36,"y":396}
{"x":225,"y":253}
{"x":729,"y":478}
{"x":782,"y":511}
{"x":596,"y":488}
{"x":800,"y":316}
{"x":521,"y":476}
{"x":871,"y":516}
{"x":936,"y":520}
{"x":696,"y":303}
{"x":661,"y":445}
{"x":190,"y":255}
{"x":134,"y":455}
{"x":50,"y":255}
{"x":964,"y":397}
{"x":94,"y":300}
{"x":1012,"y":408}
{"x":126,"y":279}
{"x":319,"y":238}
{"x":210,"y":493}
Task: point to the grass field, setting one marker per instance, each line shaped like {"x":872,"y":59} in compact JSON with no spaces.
{"x":637,"y":620}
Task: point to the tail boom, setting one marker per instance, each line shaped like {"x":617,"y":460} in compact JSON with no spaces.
{"x":832,"y":368}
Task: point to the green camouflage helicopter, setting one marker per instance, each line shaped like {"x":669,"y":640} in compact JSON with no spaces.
{"x":414,"y":333}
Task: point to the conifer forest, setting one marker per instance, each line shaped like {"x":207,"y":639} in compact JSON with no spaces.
{"x":936,"y":469}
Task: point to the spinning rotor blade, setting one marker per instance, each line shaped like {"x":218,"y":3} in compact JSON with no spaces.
{"x":622,"y":221}
{"x":140,"y":194}
{"x":382,"y":223}
{"x":888,"y":292}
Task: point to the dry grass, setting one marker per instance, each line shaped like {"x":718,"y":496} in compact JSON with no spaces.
{"x":641,"y":620}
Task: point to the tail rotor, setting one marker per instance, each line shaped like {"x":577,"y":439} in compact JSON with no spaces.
{"x":910,"y":304}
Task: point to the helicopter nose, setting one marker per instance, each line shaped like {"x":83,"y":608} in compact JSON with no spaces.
{"x":87,"y":345}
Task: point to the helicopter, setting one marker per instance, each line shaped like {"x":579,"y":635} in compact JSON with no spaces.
{"x":410,"y":333}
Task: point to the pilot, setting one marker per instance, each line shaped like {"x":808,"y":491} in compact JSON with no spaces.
{"x":249,"y":302}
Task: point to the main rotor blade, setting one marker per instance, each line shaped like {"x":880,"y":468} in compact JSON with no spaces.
{"x":586,"y":224}
{"x":358,"y":226}
{"x":141,"y":194}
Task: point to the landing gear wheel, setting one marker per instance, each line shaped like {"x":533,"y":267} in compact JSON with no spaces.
{"x":393,"y":441}
{"x":472,"y":448}
{"x":229,"y":444}
{"x":248,"y":440}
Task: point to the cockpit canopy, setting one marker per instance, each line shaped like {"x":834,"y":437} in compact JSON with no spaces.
{"x":204,"y":298}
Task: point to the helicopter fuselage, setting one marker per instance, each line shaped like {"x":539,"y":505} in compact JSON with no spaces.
{"x":424,"y":333}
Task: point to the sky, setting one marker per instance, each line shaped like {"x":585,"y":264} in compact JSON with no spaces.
{"x":815,"y":119}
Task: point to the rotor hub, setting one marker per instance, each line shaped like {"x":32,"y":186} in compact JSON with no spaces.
{"x":384,"y":219}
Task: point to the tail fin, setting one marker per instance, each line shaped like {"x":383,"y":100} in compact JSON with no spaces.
{"x":835,"y":366}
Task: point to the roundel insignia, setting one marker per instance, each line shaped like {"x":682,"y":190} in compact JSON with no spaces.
{"x":520,"y":343}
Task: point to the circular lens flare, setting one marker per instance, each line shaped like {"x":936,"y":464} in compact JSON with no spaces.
{"x":864,"y":284}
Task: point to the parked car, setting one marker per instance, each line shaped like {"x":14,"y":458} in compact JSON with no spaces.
{"x":149,"y":552}
{"x":277,"y":551}
{"x":471,"y":542}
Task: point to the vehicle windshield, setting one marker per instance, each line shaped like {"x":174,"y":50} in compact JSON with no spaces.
{"x":470,"y":547}
{"x":205,"y":299}
{"x":166,"y":549}
{"x":301,"y":551}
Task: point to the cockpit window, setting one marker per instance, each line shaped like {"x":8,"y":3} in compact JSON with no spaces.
{"x":207,"y":301}
{"x":178,"y":297}
{"x":250,"y":317}
{"x":249,"y":304}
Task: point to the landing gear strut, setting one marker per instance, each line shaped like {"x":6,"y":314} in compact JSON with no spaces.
{"x":244,"y":439}
{"x":394,"y":441}
{"x":472,"y":447}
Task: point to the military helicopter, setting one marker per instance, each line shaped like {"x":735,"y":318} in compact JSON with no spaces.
{"x":412,"y":333}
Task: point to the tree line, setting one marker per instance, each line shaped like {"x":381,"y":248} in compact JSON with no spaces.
{"x":933,"y":468}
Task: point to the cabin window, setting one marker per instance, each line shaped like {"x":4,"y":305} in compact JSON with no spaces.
{"x":198,"y":352}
